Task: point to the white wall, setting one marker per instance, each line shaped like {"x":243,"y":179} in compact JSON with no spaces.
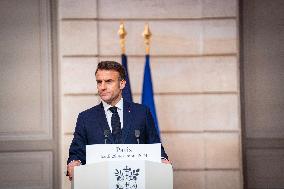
{"x":28,"y":155}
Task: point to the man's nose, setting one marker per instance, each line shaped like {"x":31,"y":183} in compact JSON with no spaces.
{"x":103,"y":85}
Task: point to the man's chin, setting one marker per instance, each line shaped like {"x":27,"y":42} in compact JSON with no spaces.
{"x":106,"y":100}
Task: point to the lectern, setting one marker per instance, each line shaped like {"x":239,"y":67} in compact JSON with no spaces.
{"x":132,"y":174}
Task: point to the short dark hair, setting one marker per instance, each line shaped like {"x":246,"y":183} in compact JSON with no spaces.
{"x":112,"y":65}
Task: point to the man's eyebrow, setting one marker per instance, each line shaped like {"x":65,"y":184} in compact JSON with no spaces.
{"x":108,"y":80}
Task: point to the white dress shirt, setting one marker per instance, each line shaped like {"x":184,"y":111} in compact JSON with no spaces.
{"x":108,"y":113}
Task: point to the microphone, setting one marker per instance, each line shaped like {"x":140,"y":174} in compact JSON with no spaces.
{"x":137,"y":135}
{"x":106,"y":134}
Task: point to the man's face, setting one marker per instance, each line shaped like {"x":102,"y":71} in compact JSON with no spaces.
{"x":109,"y":86}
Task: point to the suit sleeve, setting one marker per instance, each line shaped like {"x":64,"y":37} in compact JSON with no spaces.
{"x":77,"y":150}
{"x":152,"y":133}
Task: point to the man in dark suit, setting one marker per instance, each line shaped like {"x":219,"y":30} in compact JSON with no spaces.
{"x":114,"y":120}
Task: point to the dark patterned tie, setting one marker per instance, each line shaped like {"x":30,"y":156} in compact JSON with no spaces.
{"x":116,"y":126}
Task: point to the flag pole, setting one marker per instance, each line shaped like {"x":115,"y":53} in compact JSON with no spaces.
{"x":126,"y":92}
{"x":122,"y":34}
{"x":147,"y":37}
{"x":147,"y":91}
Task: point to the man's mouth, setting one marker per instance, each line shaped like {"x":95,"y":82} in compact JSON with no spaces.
{"x":103,"y":94}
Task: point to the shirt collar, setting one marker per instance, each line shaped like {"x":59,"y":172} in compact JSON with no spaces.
{"x":119,"y":105}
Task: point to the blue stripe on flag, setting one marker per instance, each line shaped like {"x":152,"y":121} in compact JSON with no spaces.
{"x":126,"y":92}
{"x":147,"y":93}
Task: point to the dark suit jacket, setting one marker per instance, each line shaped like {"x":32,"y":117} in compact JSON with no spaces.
{"x":92,"y":123}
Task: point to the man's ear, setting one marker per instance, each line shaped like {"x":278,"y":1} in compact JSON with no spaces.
{"x":122,"y":84}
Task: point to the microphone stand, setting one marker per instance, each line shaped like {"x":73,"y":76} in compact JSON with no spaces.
{"x":106,"y":134}
{"x":137,"y":135}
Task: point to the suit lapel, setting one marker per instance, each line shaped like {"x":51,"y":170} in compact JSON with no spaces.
{"x":127,"y":119}
{"x":103,"y":121}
